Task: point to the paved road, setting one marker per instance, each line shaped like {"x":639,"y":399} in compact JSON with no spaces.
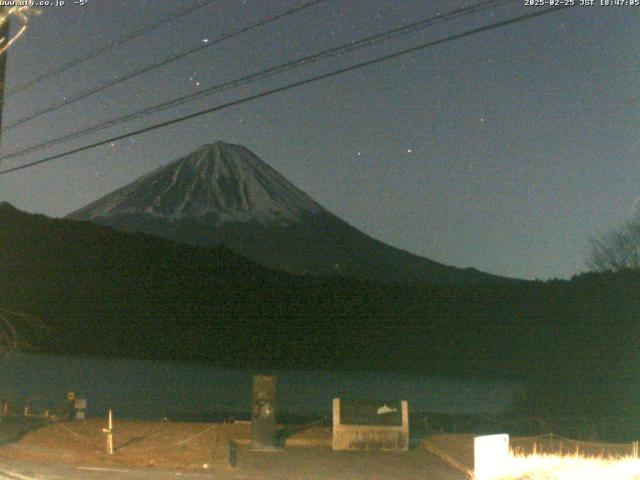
{"x":16,"y":470}
{"x":294,"y":463}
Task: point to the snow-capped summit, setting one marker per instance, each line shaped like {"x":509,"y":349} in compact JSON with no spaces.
{"x":224,"y":182}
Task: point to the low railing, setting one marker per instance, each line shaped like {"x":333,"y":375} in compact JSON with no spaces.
{"x":557,"y":445}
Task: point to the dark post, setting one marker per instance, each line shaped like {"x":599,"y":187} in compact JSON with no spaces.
{"x":4,"y":34}
{"x":233,"y":453}
{"x":263,"y":413}
{"x":71,"y":410}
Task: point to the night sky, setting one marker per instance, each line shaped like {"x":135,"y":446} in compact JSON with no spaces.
{"x":505,"y":151}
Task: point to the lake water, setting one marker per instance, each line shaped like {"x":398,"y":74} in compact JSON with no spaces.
{"x":141,"y":389}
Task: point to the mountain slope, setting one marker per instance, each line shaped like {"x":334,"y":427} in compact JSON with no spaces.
{"x":223,"y":194}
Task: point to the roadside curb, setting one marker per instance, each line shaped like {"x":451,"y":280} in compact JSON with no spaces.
{"x":13,"y":476}
{"x":445,"y":457}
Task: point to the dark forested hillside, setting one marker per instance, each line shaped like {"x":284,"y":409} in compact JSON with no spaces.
{"x":104,"y":292}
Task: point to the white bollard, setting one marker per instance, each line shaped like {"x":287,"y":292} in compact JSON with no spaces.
{"x":109,"y":432}
{"x":490,"y":456}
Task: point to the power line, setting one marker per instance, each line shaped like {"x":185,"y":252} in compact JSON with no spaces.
{"x":289,"y":86}
{"x":344,"y":48}
{"x":167,"y":61}
{"x":100,"y":50}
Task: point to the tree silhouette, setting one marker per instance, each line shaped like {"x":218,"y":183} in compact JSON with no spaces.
{"x":617,"y":250}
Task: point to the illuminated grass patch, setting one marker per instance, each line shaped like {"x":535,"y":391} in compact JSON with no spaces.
{"x":570,"y":467}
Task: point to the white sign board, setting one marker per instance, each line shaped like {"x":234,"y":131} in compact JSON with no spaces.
{"x":491,"y":456}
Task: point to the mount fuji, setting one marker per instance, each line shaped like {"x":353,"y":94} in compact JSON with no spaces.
{"x":223,"y":194}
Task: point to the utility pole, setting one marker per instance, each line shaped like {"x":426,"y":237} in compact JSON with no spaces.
{"x":4,"y":36}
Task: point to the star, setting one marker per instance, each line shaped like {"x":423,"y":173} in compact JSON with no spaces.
{"x":359,"y":154}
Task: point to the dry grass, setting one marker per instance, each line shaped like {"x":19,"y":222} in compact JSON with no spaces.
{"x":137,"y":444}
{"x":570,"y":467}
{"x":170,"y":445}
{"x":525,"y":464}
